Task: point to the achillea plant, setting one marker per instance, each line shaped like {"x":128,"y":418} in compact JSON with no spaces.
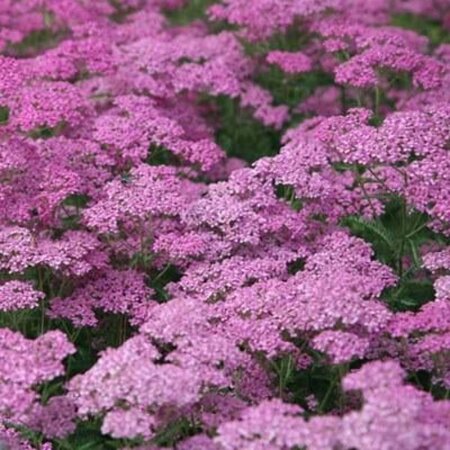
{"x":224,"y":225}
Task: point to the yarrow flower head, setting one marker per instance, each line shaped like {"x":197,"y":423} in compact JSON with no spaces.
{"x":25,"y":364}
{"x":16,"y":295}
{"x":240,"y":222}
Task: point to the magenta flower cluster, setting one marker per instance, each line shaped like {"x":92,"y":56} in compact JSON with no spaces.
{"x":152,"y":283}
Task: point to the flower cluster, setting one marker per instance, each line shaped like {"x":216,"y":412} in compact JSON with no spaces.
{"x":224,"y":233}
{"x":26,"y":364}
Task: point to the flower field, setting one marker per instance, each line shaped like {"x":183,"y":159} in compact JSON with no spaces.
{"x":225,"y":225}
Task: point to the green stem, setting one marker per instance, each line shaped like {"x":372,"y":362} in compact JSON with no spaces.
{"x":327,"y":396}
{"x":414,"y":232}
{"x":377,"y":102}
{"x":42,"y":302}
{"x":366,"y":195}
{"x":162,"y":273}
{"x":403,"y":238}
{"x":359,"y":99}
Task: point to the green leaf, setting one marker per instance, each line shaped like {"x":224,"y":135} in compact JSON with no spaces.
{"x":376,"y":228}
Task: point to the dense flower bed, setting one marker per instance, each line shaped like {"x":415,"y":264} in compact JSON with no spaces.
{"x":225,"y":225}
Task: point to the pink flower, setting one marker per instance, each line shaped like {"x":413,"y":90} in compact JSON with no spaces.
{"x":290,"y":62}
{"x":16,"y":295}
